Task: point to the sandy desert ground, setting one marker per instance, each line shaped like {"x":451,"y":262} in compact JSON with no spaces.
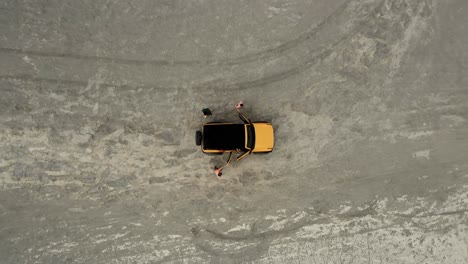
{"x":100,"y":101}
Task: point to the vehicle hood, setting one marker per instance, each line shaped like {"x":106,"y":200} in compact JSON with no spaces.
{"x":264,"y":137}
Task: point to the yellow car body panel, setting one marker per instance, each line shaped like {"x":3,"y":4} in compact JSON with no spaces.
{"x":264,"y":137}
{"x":213,"y":151}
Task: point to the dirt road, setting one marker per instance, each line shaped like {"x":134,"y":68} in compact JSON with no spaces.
{"x":100,"y":101}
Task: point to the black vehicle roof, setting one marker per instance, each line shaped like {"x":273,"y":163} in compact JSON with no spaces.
{"x":223,"y":136}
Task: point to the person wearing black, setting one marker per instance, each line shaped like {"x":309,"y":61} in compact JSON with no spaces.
{"x":206,"y":112}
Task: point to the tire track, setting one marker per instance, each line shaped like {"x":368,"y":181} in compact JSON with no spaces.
{"x":218,"y":84}
{"x":268,"y":53}
{"x":32,"y":78}
{"x":243,"y":85}
{"x":311,"y":61}
{"x":293,"y":227}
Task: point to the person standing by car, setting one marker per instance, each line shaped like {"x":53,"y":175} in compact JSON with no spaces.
{"x":218,"y":171}
{"x":239,"y":105}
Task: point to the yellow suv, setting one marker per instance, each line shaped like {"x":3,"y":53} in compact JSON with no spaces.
{"x":250,"y":137}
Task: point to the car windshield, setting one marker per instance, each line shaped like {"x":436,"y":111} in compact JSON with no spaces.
{"x":250,"y":136}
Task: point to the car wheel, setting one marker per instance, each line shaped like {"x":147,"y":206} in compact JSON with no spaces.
{"x":198,"y":138}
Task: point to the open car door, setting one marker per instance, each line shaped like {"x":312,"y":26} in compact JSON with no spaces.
{"x":244,"y":119}
{"x":243,"y":155}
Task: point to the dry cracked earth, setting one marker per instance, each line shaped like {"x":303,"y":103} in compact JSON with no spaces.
{"x":100,"y":101}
